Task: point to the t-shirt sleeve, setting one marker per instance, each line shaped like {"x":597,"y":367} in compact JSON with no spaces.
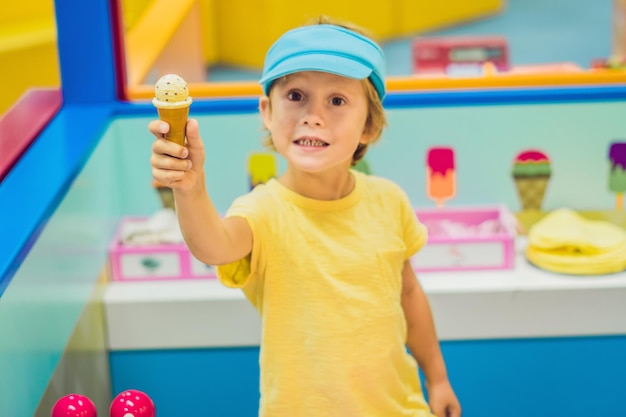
{"x":243,"y":272}
{"x":415,"y":233}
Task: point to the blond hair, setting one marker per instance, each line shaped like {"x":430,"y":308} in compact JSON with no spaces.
{"x":376,"y":119}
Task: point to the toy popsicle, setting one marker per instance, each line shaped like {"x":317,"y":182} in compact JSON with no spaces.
{"x":172,"y":102}
{"x":440,"y":175}
{"x":617,"y":171}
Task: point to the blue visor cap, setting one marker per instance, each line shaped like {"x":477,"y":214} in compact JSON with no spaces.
{"x":325,"y":48}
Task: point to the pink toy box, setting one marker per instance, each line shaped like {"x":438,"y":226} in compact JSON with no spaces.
{"x":466,"y":239}
{"x":154,"y":262}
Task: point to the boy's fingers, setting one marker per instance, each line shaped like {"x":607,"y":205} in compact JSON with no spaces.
{"x":170,"y":160}
{"x":167,"y":177}
{"x":158,"y":127}
{"x":162,"y":146}
{"x":193,"y":134}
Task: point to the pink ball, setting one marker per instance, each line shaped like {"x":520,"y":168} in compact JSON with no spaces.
{"x":132,"y":403}
{"x":74,"y":405}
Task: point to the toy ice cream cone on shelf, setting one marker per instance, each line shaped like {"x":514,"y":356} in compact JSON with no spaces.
{"x":617,"y":172}
{"x":440,"y":175}
{"x":172,"y":102}
{"x":531,"y":172}
{"x":166,"y":195}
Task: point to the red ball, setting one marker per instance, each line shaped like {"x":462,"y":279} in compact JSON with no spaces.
{"x":74,"y":405}
{"x":132,"y":403}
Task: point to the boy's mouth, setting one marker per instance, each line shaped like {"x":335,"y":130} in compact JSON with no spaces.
{"x":310,"y":142}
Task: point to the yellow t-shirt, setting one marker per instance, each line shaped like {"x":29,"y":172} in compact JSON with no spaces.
{"x":325,"y":277}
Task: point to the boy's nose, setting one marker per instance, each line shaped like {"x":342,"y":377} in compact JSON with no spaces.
{"x":312,"y":121}
{"x":313,"y":115}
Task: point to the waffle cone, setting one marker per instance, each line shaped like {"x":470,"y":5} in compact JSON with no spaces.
{"x":531,"y":191}
{"x":177,"y":119}
{"x":166,"y":195}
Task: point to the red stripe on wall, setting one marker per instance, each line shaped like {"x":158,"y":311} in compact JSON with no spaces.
{"x":23,"y":122}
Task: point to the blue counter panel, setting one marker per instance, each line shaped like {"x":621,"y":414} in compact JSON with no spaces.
{"x":215,"y":382}
{"x":573,"y":377}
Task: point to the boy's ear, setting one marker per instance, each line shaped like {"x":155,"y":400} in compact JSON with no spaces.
{"x":265,"y":109}
{"x":367,"y":136}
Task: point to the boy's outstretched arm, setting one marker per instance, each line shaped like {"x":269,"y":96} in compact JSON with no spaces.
{"x":423,"y":343}
{"x":211,"y":239}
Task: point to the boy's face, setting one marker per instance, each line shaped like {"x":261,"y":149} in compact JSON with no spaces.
{"x":316,"y":119}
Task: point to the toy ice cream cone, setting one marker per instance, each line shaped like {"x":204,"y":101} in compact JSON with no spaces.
{"x":172,"y":102}
{"x":166,"y":195}
{"x":531,"y":172}
{"x":531,"y":191}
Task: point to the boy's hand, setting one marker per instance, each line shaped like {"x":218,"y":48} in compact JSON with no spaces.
{"x":442,"y":400}
{"x":175,"y":166}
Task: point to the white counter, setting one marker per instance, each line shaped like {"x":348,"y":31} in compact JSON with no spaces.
{"x":520,"y":303}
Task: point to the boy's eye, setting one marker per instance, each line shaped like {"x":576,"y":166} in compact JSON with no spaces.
{"x":294,"y":96}
{"x":337,"y":101}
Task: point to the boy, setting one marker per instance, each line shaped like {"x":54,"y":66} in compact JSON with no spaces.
{"x":322,"y":251}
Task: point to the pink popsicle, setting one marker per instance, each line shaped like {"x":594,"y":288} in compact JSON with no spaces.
{"x":440,"y":174}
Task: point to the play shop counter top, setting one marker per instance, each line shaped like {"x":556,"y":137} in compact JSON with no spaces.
{"x":524,"y":302}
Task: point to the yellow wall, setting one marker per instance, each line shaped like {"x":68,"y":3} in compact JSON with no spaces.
{"x":13,"y":11}
{"x":132,"y":11}
{"x":27,"y":48}
{"x":246,"y":29}
{"x":209,"y":31}
{"x":425,"y":15}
